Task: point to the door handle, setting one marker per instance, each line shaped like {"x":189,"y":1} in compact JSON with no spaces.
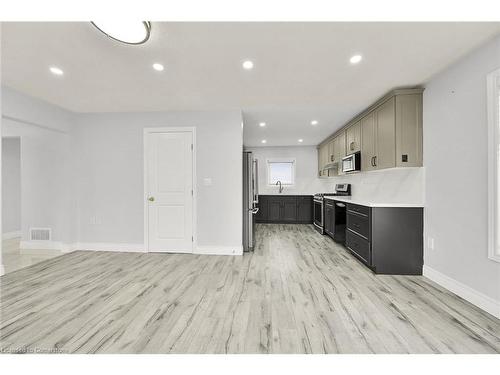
{"x":151,"y":199}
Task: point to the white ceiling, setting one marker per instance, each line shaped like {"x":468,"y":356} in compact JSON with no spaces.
{"x":302,"y":70}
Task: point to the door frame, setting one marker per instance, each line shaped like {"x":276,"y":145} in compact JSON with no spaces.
{"x":146,"y":133}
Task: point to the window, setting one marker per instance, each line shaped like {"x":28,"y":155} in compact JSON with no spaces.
{"x":493,"y":85}
{"x":281,"y":170}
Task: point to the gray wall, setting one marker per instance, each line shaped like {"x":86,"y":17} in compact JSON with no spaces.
{"x":455,"y":159}
{"x":47,"y":190}
{"x":111,"y":174}
{"x":81,"y":167}
{"x":11,"y":185}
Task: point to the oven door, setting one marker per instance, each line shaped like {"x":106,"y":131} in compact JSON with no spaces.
{"x":318,"y":213}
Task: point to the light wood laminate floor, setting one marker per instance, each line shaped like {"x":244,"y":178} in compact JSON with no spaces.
{"x":297,"y":293}
{"x":15,"y":258}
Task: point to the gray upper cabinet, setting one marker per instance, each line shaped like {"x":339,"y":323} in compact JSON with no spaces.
{"x":353,"y":138}
{"x":339,"y":151}
{"x":385,"y":130}
{"x":323,"y":157}
{"x":388,"y":133}
{"x":409,"y":130}
{"x":368,"y":139}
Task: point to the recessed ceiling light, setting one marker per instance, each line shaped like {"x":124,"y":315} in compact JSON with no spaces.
{"x":356,"y":59}
{"x":56,"y":71}
{"x":262,"y":124}
{"x":301,"y":140}
{"x":247,"y":64}
{"x":159,"y":67}
{"x":314,"y":122}
{"x":263,"y":141}
{"x":128,"y":32}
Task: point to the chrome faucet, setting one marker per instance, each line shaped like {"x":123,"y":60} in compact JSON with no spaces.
{"x":281,"y":187}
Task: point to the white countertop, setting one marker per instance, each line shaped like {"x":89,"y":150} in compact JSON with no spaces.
{"x":368,"y":203}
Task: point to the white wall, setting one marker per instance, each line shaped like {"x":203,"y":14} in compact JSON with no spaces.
{"x":11,"y":185}
{"x":395,"y":185}
{"x":110,"y":169}
{"x":47,"y":190}
{"x":455,"y":158}
{"x":390,"y":186}
{"x":307,"y":181}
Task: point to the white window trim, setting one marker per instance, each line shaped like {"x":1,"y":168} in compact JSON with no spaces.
{"x":281,"y":160}
{"x":493,"y":81}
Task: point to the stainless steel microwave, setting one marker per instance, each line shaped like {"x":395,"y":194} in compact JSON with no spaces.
{"x":351,"y":163}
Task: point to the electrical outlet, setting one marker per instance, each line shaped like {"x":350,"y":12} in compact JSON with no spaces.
{"x":430,"y":243}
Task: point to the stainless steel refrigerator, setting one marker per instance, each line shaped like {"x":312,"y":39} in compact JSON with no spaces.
{"x":250,"y":200}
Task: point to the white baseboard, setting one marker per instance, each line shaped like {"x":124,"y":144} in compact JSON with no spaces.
{"x":9,"y":235}
{"x":46,"y":245}
{"x":479,"y":299}
{"x":218,"y":250}
{"x":121,"y":247}
{"x":107,"y":246}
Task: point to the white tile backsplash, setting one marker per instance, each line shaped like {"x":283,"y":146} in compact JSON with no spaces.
{"x":395,"y":185}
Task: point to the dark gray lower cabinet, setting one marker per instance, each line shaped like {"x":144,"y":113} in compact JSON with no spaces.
{"x":274,"y":208}
{"x":292,"y":209}
{"x":389,"y":240}
{"x":329,"y":217}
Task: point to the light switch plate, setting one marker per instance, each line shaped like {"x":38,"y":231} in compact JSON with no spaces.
{"x":430,"y":243}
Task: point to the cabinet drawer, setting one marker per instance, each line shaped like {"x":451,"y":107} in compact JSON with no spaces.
{"x":363,"y":210}
{"x":329,"y":203}
{"x":359,"y":246}
{"x":359,"y":224}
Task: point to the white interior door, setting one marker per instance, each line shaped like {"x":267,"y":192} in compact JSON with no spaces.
{"x":169,"y":191}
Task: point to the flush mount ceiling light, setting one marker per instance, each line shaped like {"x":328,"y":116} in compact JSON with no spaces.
{"x":356,"y":59}
{"x":158,"y":67}
{"x":56,"y":71}
{"x":125,"y":32}
{"x":247,"y":65}
{"x":263,"y":141}
{"x":314,"y":122}
{"x":262,"y":124}
{"x":301,"y":140}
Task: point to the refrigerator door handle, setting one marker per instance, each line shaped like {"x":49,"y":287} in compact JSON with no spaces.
{"x":255,"y":175}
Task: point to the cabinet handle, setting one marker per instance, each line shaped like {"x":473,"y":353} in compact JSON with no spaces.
{"x":374,"y":161}
{"x":331,"y":157}
{"x":351,"y":146}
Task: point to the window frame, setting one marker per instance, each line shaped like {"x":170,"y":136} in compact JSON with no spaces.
{"x":493,"y":107}
{"x":280,"y":160}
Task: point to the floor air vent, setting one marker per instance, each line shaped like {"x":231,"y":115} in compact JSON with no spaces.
{"x":40,"y":234}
